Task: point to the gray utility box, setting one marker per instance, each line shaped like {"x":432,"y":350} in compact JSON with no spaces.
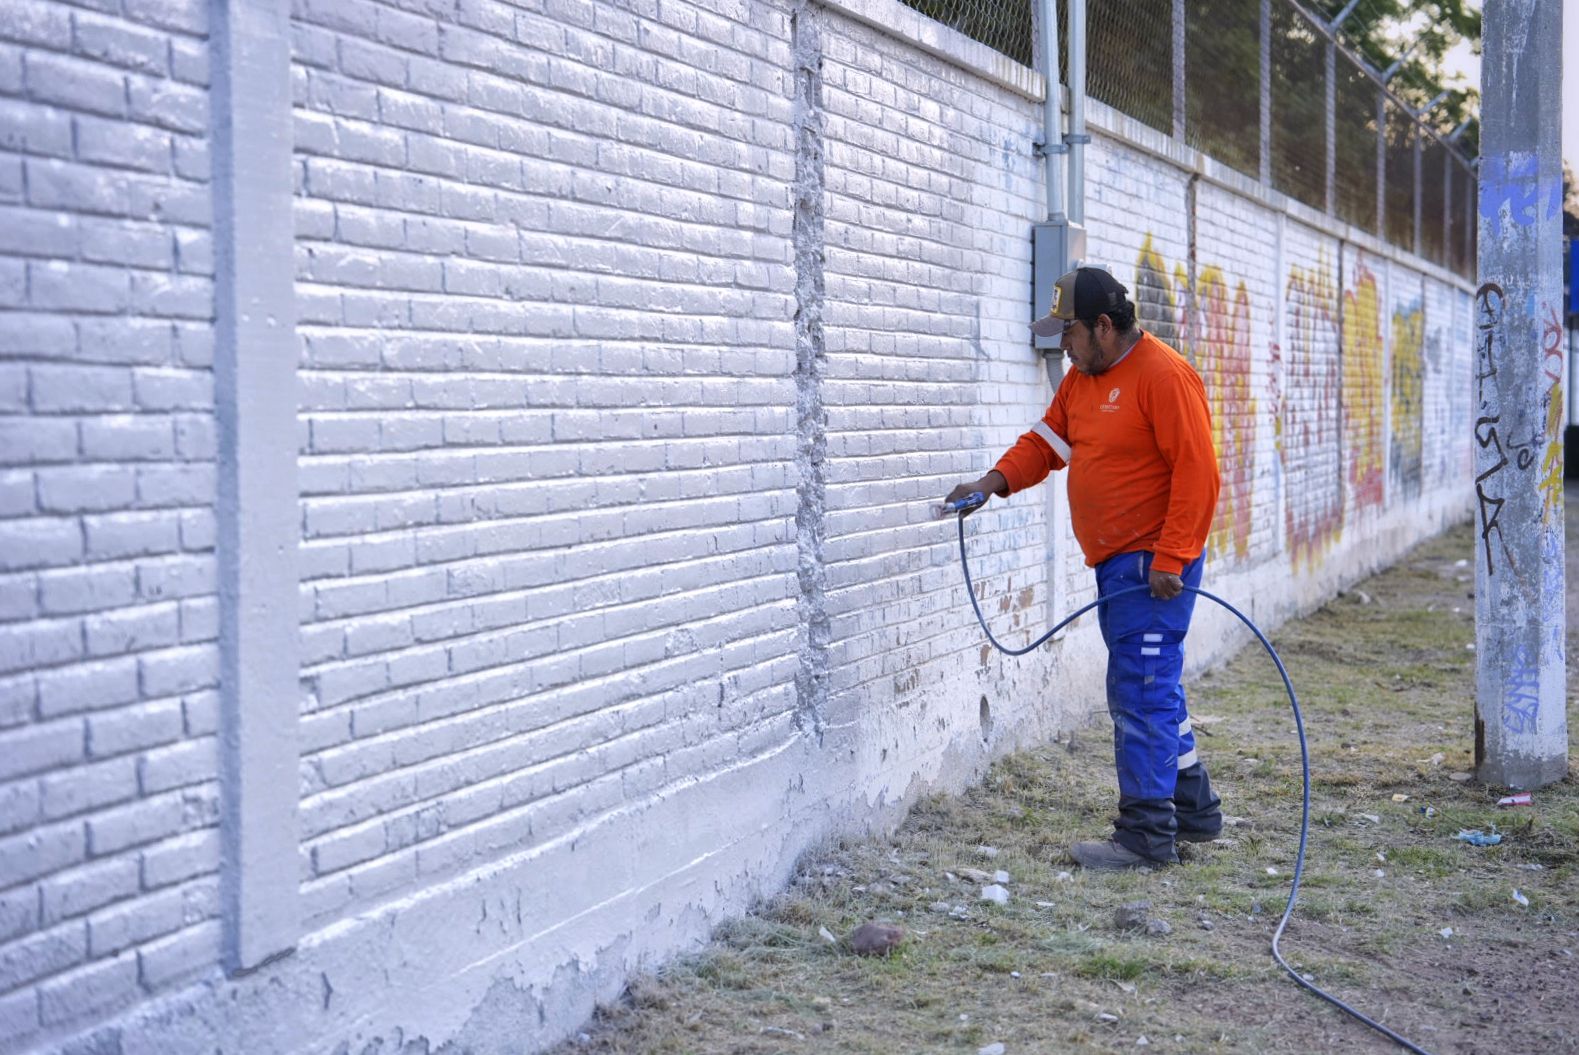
{"x":1056,"y":248}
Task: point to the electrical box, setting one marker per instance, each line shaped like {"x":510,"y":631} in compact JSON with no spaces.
{"x":1056,"y":248}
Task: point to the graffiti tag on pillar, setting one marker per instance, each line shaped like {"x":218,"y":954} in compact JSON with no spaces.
{"x":1489,"y":483}
{"x":1488,"y":318}
{"x":1491,"y":504}
{"x":1521,"y":698}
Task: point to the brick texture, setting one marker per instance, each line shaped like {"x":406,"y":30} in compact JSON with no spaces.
{"x":542,"y":275}
{"x":106,"y":472}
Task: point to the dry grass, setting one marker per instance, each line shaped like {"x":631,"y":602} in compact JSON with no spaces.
{"x":1386,"y":683}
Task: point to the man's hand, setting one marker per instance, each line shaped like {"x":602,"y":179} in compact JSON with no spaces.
{"x":1165,"y":585}
{"x":991,"y":484}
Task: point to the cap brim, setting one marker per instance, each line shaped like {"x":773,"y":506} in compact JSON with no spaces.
{"x":1049,"y":326}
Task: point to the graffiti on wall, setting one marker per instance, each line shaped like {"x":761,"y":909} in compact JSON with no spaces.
{"x":1223,"y":357}
{"x":1408,"y":398}
{"x":1363,"y":393}
{"x":1313,"y":412}
{"x":1218,"y":342}
{"x":1159,"y":298}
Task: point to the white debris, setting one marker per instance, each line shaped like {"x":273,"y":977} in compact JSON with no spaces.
{"x":1064,"y":877}
{"x":987,"y":851}
{"x":1520,"y":898}
{"x":1000,"y":876}
{"x":991,"y":1049}
{"x":995,"y":893}
{"x":1446,"y":932}
{"x":827,"y":935}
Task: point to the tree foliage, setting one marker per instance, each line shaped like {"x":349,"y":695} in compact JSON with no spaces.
{"x":1421,"y":32}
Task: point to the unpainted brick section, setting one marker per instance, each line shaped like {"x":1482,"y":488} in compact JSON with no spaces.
{"x":106,"y":487}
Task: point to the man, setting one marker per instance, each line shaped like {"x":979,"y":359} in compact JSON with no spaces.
{"x":1132,"y":425}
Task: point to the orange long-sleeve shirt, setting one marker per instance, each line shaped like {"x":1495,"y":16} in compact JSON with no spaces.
{"x":1137,"y":439}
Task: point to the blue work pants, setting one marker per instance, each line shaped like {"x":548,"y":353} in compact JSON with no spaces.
{"x":1163,"y":786}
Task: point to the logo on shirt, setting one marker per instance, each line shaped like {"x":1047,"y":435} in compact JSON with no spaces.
{"x":1111,"y":406}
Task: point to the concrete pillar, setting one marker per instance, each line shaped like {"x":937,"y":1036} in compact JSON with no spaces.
{"x":1521,"y":729}
{"x":258,"y":501}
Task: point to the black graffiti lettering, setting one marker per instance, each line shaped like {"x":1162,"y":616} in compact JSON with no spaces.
{"x":1490,"y":505}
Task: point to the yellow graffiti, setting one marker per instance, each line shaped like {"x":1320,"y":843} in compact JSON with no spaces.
{"x":1362,"y":388}
{"x":1408,"y":399}
{"x":1551,"y":484}
{"x":1224,"y":357}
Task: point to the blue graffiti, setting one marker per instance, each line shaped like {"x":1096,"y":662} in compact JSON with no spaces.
{"x":1521,"y":694}
{"x":1514,"y":184}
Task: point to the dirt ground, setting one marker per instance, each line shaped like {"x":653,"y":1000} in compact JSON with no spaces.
{"x":1386,"y":680}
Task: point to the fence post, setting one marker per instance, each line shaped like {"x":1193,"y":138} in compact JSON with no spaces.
{"x":1178,"y":70}
{"x":1420,"y":185}
{"x":1381,"y":164}
{"x":1332,"y":128}
{"x":1266,"y":92}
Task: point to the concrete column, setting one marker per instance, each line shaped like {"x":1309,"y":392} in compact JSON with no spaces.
{"x":258,"y":500}
{"x":1521,"y":729}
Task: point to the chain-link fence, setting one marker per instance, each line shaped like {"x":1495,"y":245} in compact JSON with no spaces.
{"x":1274,"y":90}
{"x":1131,"y":72}
{"x":1222,"y":77}
{"x":1299,"y":107}
{"x":1006,"y":26}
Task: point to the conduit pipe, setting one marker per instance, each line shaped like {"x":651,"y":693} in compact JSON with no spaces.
{"x":1052,"y":102}
{"x":1077,"y":138}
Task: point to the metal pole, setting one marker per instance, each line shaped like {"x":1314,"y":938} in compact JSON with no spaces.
{"x":1052,"y":136}
{"x":1343,"y":15}
{"x":1381,"y":165}
{"x":1266,"y":93}
{"x":1414,"y":134}
{"x":1521,"y":730}
{"x":1178,"y":70}
{"x":1077,"y":112}
{"x":1332,"y":128}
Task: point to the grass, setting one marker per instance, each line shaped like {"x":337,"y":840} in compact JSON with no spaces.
{"x":1388,"y":690}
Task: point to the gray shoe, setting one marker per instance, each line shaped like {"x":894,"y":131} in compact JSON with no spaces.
{"x":1109,"y":856}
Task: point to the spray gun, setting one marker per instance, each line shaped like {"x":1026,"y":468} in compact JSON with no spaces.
{"x":960,"y":505}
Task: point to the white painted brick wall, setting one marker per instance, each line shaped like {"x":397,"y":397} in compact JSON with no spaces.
{"x":107,"y":616}
{"x":557,"y":487}
{"x":542,"y":271}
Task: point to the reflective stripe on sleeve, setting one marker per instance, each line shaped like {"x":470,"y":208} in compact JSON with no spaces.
{"x":1055,"y":441}
{"x":1188,"y":759}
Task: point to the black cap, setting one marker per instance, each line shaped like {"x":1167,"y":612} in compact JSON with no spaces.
{"x":1083,"y":293}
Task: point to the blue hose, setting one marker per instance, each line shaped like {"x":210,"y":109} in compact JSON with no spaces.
{"x":963,"y":507}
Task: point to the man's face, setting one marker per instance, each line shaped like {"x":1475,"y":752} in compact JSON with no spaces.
{"x":1080,"y":344}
